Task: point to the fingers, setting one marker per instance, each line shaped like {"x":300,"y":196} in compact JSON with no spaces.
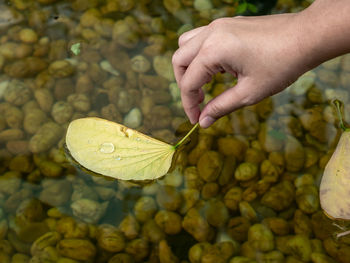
{"x":189,"y":34}
{"x":199,"y":72}
{"x":240,"y":95}
{"x":183,"y":57}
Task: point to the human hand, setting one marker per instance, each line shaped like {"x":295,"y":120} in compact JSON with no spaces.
{"x":265,"y":53}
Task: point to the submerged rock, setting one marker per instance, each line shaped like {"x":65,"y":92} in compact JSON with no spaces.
{"x":9,"y":16}
{"x":88,"y":210}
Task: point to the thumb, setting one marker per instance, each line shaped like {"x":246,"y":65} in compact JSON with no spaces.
{"x":232,"y":99}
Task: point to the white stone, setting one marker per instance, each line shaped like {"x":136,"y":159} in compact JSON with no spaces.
{"x":133,"y":119}
{"x":175,"y":178}
{"x":106,"y":66}
{"x":202,"y":5}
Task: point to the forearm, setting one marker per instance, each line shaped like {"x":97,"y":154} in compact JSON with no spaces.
{"x":325,"y":30}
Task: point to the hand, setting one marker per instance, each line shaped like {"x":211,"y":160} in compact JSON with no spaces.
{"x":265,"y":53}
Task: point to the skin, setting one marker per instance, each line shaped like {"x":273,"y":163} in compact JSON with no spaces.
{"x":265,"y":53}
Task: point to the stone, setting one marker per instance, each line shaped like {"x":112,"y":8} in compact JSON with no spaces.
{"x":140,"y":64}
{"x":133,"y":119}
{"x":88,"y":210}
{"x":28,"y":35}
{"x":26,"y":67}
{"x":202,"y":5}
{"x":55,"y":192}
{"x":163,"y":66}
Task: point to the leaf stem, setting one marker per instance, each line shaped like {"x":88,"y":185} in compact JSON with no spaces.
{"x":186,"y":136}
{"x":338,"y":104}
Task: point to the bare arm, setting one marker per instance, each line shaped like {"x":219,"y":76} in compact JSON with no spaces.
{"x":266,"y":53}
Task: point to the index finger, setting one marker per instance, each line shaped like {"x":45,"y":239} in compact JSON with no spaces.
{"x":199,"y":72}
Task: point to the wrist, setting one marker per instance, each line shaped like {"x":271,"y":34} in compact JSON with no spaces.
{"x":324,"y":31}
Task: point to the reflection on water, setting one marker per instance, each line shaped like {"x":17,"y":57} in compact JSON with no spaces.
{"x":244,"y":190}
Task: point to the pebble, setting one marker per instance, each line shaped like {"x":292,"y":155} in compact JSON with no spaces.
{"x":202,"y":5}
{"x":28,"y":36}
{"x":163,"y":66}
{"x":106,"y":66}
{"x":9,"y":16}
{"x":140,"y":64}
{"x":88,"y":210}
{"x":303,"y":84}
{"x":133,"y":119}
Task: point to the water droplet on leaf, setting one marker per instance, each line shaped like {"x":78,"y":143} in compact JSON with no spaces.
{"x":107,"y":147}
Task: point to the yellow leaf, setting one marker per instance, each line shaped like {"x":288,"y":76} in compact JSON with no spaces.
{"x":114,"y":150}
{"x":335,"y":184}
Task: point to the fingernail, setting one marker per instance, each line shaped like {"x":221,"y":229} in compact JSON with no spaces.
{"x":206,"y":122}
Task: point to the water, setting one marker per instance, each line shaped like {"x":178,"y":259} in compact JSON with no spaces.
{"x":107,"y":147}
{"x":210,"y":207}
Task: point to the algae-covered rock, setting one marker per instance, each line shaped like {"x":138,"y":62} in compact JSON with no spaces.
{"x":33,"y":119}
{"x":61,"y":69}
{"x":300,"y":247}
{"x":129,"y":227}
{"x":17,"y":93}
{"x":246,"y":171}
{"x":88,"y":210}
{"x":145,"y":208}
{"x":233,"y":197}
{"x":79,"y":249}
{"x":196,"y":225}
{"x":46,"y":240}
{"x":302,"y":223}
{"x":25,"y":68}
{"x":50,"y":169}
{"x":110,"y":238}
{"x":10,"y":183}
{"x":138,"y":249}
{"x":261,"y":238}
{"x":280,"y":196}
{"x":125,"y":32}
{"x":294,"y":154}
{"x":209,"y":166}
{"x":307,"y":198}
{"x":71,"y":228}
{"x":230,"y":145}
{"x":45,"y":137}
{"x":165,"y":253}
{"x":55,"y":192}
{"x":247,"y":211}
{"x":169,"y":198}
{"x":196,"y":251}
{"x":216,"y":213}
{"x":152,"y":231}
{"x":169,"y":222}
{"x":62,"y":112}
{"x":209,"y":190}
{"x":11,"y":135}
{"x":278,"y":226}
{"x":31,"y":210}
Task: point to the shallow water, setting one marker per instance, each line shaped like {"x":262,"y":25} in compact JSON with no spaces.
{"x":245,"y":190}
